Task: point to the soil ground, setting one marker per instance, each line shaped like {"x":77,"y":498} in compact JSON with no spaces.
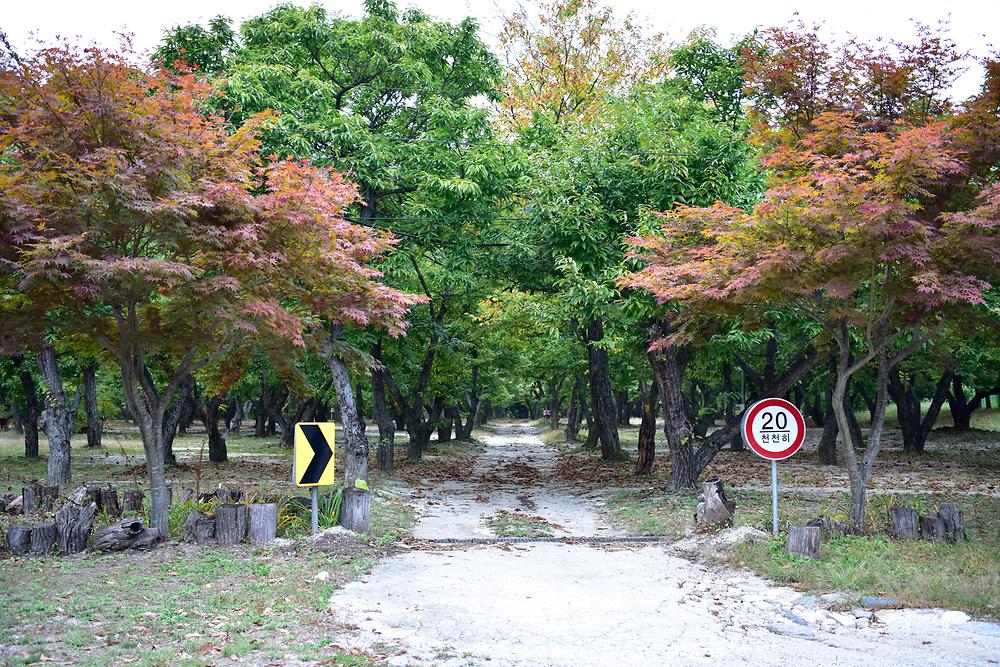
{"x":600,"y":604}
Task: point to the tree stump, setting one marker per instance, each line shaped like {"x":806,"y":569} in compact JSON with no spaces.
{"x":133,"y":500}
{"x":126,"y":534}
{"x":94,"y":496}
{"x":43,"y":538}
{"x":932,"y":528}
{"x":199,"y":527}
{"x":79,"y":495}
{"x":355,"y":512}
{"x":904,"y":523}
{"x":109,"y":501}
{"x":5,"y":500}
{"x":263,"y":522}
{"x":803,"y":541}
{"x":30,"y":501}
{"x":829,"y":527}
{"x":954,"y":526}
{"x":19,"y":539}
{"x":714,"y":511}
{"x":73,"y":526}
{"x":230,"y":523}
{"x":228,"y":495}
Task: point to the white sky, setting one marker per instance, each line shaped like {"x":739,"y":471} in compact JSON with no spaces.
{"x":99,"y":20}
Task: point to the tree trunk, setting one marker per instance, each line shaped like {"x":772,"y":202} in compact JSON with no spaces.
{"x":676,"y":428}
{"x":230,"y":523}
{"x":914,"y":429}
{"x":357,"y":447}
{"x":199,"y":527}
{"x":647,"y":429}
{"x":261,"y":411}
{"x":58,"y":419}
{"x":172,"y":418}
{"x":209,"y":414}
{"x":355,"y":513}
{"x":94,"y":425}
{"x":235,"y":422}
{"x":828,"y":442}
{"x":127,"y":534}
{"x":555,"y":403}
{"x":30,"y":414}
{"x":602,"y":402}
{"x":574,"y":415}
{"x":803,"y":541}
{"x":904,"y":523}
{"x":383,"y":418}
{"x":73,"y":526}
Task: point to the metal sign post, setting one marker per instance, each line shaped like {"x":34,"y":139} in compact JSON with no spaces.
{"x":312,"y":460}
{"x":774,"y":429}
{"x":774,"y":496}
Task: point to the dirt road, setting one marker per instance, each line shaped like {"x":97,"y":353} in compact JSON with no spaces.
{"x":584,"y":604}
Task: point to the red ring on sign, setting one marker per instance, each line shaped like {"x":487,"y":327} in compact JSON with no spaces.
{"x":756,"y":446}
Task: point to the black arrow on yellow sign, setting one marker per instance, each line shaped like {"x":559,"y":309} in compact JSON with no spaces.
{"x":321,"y":453}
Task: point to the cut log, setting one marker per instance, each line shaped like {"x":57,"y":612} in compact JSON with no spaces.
{"x":109,"y":501}
{"x":43,"y":538}
{"x":954,"y":526}
{"x":355,"y":512}
{"x":932,"y":528}
{"x":73,"y":526}
{"x":263,"y":522}
{"x":19,"y":539}
{"x":230,"y":523}
{"x":94,"y":496}
{"x":126,"y":534}
{"x":133,"y":500}
{"x":714,"y":511}
{"x":79,"y":495}
{"x":803,"y":541}
{"x":199,"y":527}
{"x":904,"y":523}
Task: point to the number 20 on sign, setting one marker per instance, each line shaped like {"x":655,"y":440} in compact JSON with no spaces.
{"x":774,"y":429}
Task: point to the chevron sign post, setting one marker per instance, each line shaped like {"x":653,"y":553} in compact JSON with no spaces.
{"x":312,"y":461}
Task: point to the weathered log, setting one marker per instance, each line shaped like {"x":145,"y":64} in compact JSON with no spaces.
{"x":5,"y":500}
{"x":230,"y":523}
{"x":79,"y":495}
{"x":133,"y":500}
{"x":954,"y":526}
{"x":74,"y":525}
{"x":803,"y":541}
{"x":263,"y":525}
{"x":199,"y":527}
{"x":14,"y":506}
{"x":355,"y":512}
{"x":94,"y":496}
{"x":714,"y":511}
{"x":19,"y":539}
{"x":126,"y":534}
{"x":904,"y":523}
{"x":932,"y":528}
{"x":109,"y":501}
{"x":43,"y":538}
{"x":235,"y":495}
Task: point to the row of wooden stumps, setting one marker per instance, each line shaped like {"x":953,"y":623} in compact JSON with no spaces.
{"x":70,"y":528}
{"x":945,"y":526}
{"x":232,"y":523}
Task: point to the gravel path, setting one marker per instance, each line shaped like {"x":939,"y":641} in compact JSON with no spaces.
{"x":580,"y":605}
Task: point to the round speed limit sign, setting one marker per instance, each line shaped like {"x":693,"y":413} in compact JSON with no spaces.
{"x":773,"y":428}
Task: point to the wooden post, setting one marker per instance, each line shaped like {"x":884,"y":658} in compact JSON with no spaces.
{"x":803,"y":541}
{"x":355,"y":513}
{"x":230,"y":523}
{"x":199,"y":527}
{"x":133,"y":500}
{"x":19,"y":539}
{"x":904,"y":523}
{"x":43,"y":538}
{"x":263,"y":522}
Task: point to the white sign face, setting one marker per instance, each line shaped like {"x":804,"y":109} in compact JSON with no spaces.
{"x":773,"y":428}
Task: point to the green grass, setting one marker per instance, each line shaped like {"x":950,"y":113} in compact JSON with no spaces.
{"x":517,"y":524}
{"x":962,"y":576}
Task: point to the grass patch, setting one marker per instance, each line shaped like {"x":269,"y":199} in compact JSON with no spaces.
{"x":962,"y":576}
{"x":518,"y":524}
